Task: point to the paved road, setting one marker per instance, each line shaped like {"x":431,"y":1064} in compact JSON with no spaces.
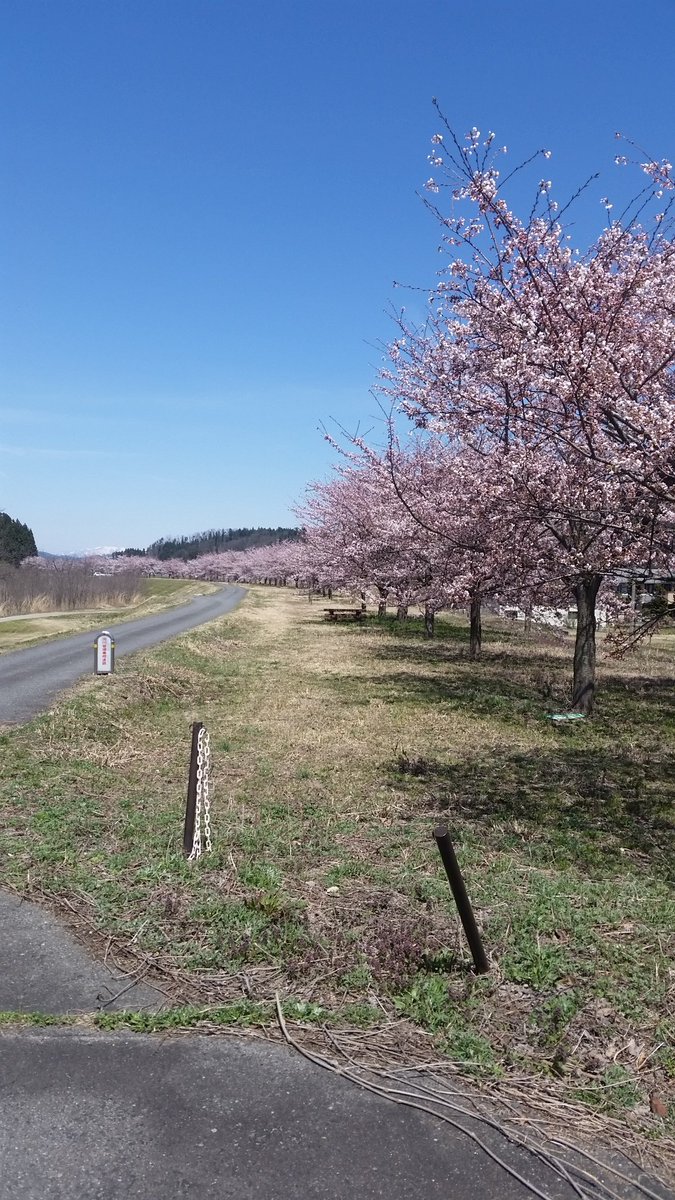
{"x":130,"y":1117}
{"x":31,"y":678}
{"x":43,"y":969}
{"x":94,"y":1116}
{"x":119,"y":1116}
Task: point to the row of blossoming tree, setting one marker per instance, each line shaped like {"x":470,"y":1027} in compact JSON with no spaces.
{"x":541,"y":388}
{"x":278,"y":563}
{"x":538,"y":464}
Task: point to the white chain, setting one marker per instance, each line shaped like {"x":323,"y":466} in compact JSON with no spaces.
{"x":202,"y":797}
{"x":205,"y":790}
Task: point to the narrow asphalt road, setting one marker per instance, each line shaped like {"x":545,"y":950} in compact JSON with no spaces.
{"x":88,"y":1115}
{"x":31,"y":678}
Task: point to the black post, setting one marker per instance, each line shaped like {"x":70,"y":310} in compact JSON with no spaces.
{"x":461,"y":899}
{"x":191,"y":805}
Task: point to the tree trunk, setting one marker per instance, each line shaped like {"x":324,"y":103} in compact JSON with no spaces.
{"x":402,"y":612}
{"x":382,"y":608}
{"x":583,"y":690}
{"x":429,"y":621}
{"x":528,"y":620}
{"x":475,"y":630}
{"x":363,"y":601}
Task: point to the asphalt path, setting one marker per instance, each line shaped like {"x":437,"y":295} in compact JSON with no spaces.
{"x":31,"y":678}
{"x":88,"y":1115}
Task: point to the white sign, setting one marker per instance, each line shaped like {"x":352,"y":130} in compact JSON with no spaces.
{"x":104,"y":658}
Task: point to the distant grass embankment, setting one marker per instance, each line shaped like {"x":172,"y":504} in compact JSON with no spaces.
{"x":152,"y":595}
{"x":69,"y":587}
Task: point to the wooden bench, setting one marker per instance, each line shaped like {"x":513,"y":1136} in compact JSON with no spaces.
{"x":344,"y":614}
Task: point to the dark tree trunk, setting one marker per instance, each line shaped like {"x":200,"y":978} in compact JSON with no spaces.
{"x":475,"y":630}
{"x":382,"y":608}
{"x":528,"y":620}
{"x":429,"y":621}
{"x":330,"y":593}
{"x":402,"y":612}
{"x":583,"y":689}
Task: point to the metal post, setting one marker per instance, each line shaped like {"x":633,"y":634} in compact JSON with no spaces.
{"x":462,"y":901}
{"x":191,"y":804}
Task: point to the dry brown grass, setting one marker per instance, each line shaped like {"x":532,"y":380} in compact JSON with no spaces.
{"x":40,"y":625}
{"x":335,"y":750}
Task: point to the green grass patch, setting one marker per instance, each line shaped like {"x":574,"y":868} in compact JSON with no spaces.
{"x":335,"y":751}
{"x":163,"y":587}
{"x":242,"y":1013}
{"x":36,"y":1019}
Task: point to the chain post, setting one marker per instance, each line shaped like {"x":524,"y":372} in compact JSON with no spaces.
{"x":198,"y":801}
{"x":191,"y":803}
{"x":206,"y":779}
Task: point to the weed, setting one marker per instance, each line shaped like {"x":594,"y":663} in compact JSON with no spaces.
{"x":564,"y":836}
{"x":615,"y":1090}
{"x":38,"y":1019}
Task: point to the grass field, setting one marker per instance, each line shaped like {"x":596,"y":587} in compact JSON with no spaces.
{"x":155,"y":594}
{"x":335,"y":752}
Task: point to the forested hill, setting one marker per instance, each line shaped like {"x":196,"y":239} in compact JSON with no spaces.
{"x":215,"y":540}
{"x":16,"y":540}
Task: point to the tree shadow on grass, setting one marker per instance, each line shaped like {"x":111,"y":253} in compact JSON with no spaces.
{"x":512,"y":688}
{"x":446,"y":632}
{"x":537,"y":662}
{"x":405,"y":642}
{"x":612,"y":794}
{"x":639,"y":701}
{"x":503,"y":699}
{"x":456,"y":632}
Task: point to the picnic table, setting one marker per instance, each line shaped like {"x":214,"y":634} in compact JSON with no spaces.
{"x":344,"y":614}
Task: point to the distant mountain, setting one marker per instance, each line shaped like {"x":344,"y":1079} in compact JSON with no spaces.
{"x":208,"y":542}
{"x":97,"y":550}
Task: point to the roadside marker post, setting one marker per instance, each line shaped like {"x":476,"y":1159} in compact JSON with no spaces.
{"x":104,"y":654}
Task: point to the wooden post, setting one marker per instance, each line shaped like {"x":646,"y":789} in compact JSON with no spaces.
{"x":191,"y":803}
{"x":462,"y":901}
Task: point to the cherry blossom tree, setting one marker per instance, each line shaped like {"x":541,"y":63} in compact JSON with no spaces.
{"x":553,"y":370}
{"x":411,"y":525}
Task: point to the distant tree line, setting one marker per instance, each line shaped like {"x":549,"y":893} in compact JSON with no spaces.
{"x":212,"y":541}
{"x":16,"y":540}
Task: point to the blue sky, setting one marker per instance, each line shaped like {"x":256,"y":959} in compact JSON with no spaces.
{"x":205,"y":204}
